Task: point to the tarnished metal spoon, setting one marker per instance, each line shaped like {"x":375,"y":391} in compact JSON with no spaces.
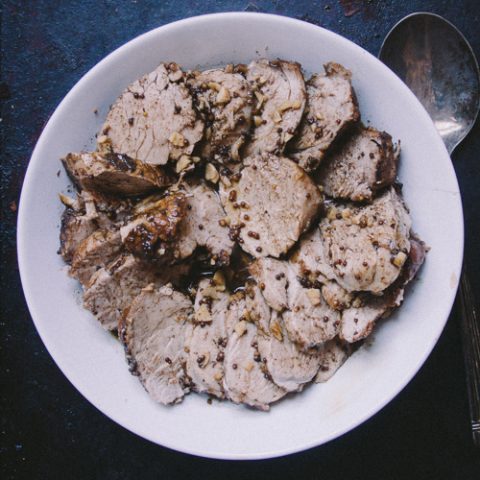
{"x":438,"y":64}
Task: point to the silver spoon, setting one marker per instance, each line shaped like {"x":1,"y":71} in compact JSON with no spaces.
{"x":438,"y":64}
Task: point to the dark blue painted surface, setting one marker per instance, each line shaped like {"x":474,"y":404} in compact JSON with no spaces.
{"x":47,"y":429}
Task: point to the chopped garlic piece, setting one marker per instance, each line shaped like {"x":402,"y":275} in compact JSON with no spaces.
{"x":289,"y":105}
{"x":240,"y":328}
{"x":219,"y":280}
{"x":257,"y":120}
{"x":202,"y":315}
{"x":277,"y":118}
{"x":214,"y":86}
{"x":177,"y":139}
{"x":67,"y":201}
{"x":314,"y":296}
{"x":223,"y":96}
{"x":399,"y":259}
{"x":183,"y":163}
{"x":211,"y":173}
{"x":276,"y":330}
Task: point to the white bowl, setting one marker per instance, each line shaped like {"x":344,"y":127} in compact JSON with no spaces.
{"x":93,"y":360}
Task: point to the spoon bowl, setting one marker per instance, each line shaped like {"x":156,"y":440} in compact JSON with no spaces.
{"x":437,"y":63}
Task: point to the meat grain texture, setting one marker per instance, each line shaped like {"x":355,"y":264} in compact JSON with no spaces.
{"x":96,"y":251}
{"x":239,"y":228}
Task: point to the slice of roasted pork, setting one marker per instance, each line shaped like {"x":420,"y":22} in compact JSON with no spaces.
{"x":246,"y":377}
{"x":152,"y":331}
{"x":331,"y":109}
{"x":114,"y":173}
{"x":271,"y":205}
{"x":111,"y":289}
{"x":333,"y":355}
{"x":309,"y":319}
{"x":154,"y":119}
{"x":96,"y":251}
{"x":271,"y":275}
{"x":280,"y":94}
{"x":224,"y":99}
{"x":155,"y":226}
{"x":364,"y":164}
{"x":204,"y":226}
{"x":206,"y":338}
{"x":365,"y":246}
{"x":89,"y":212}
{"x":289,"y":367}
{"x":359,"y":320}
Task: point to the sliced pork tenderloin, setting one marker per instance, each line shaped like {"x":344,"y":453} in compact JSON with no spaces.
{"x":111,"y":289}
{"x":359,"y":320}
{"x":309,"y":320}
{"x":280,"y":94}
{"x":271,"y":205}
{"x":313,"y":271}
{"x":96,"y":251}
{"x":114,"y":173}
{"x":224,"y":99}
{"x":271,"y":276}
{"x":152,"y":331}
{"x":89,"y":212}
{"x":288,"y":366}
{"x":204,"y":226}
{"x":331,"y":109}
{"x":364,"y":164}
{"x":75,"y":227}
{"x":309,"y":258}
{"x":246,"y":378}
{"x":154,"y":119}
{"x":334,"y":354}
{"x":365,"y":246}
{"x":257,"y":308}
{"x":206,"y":338}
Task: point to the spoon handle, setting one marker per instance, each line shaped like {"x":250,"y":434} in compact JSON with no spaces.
{"x":471,"y":348}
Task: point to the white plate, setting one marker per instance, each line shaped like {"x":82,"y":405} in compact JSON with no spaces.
{"x":93,"y":360}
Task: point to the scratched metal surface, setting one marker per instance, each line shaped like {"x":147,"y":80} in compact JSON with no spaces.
{"x":47,"y":430}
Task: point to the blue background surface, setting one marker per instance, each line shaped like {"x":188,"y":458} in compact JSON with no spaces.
{"x":47,"y":430}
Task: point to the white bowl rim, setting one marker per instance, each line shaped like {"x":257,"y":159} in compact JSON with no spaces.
{"x":23,"y":218}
